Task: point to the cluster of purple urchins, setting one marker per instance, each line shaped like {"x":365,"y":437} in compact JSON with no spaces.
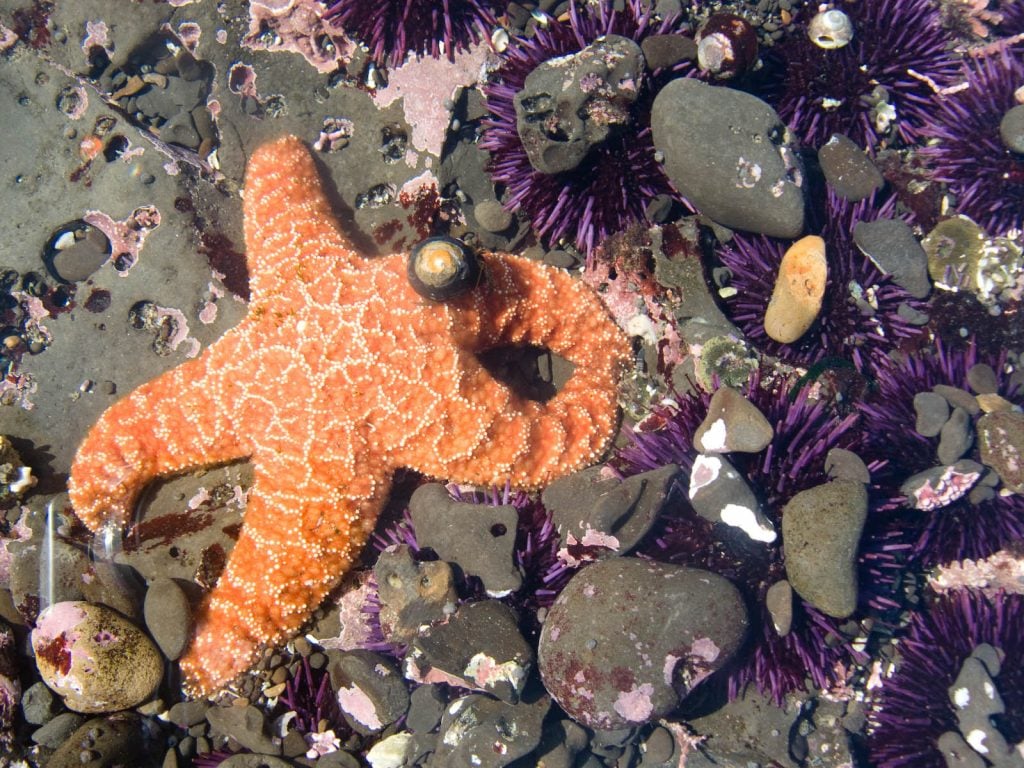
{"x":898,"y":45}
{"x":392,"y":29}
{"x":794,"y":461}
{"x":913,"y":708}
{"x":863,"y":328}
{"x":960,"y":529}
{"x":966,"y":151}
{"x":613,"y":185}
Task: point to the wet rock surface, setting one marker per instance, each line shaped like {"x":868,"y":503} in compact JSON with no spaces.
{"x":731,"y":156}
{"x":733,"y":423}
{"x":412,"y":594}
{"x":892,"y":247}
{"x":821,"y":528}
{"x":479,"y":538}
{"x":1001,"y":443}
{"x":627,"y":639}
{"x":479,"y":730}
{"x":101,"y":742}
{"x":719,"y":493}
{"x":370,"y":690}
{"x":848,"y":170}
{"x":570,"y":104}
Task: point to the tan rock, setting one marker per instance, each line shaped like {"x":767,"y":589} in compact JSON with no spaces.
{"x":799,"y":289}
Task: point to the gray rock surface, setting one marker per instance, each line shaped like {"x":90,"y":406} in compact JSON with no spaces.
{"x":480,"y":731}
{"x":956,"y":437}
{"x":370,"y":690}
{"x":719,"y":493}
{"x":733,"y":423}
{"x":101,"y":742}
{"x":892,"y":247}
{"x":1001,"y":442}
{"x":627,"y":639}
{"x":821,"y":528}
{"x":848,"y":169}
{"x":729,"y":153}
{"x":932,"y":411}
{"x":412,"y":594}
{"x":168,"y":616}
{"x":570,"y":104}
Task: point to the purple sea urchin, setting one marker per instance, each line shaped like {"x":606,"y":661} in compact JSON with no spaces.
{"x":392,"y":29}
{"x":966,"y":151}
{"x":614,"y":183}
{"x":884,"y":79}
{"x":859,"y":318}
{"x":967,"y":526}
{"x":804,"y":432}
{"x":913,"y":709}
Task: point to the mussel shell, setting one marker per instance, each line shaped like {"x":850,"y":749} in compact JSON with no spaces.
{"x":441,"y":268}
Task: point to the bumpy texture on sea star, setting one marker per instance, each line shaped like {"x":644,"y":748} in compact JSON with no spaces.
{"x":340,"y":374}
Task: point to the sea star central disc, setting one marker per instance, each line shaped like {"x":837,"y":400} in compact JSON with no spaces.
{"x":339,"y":375}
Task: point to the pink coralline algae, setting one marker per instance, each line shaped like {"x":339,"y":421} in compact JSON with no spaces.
{"x":298,"y":26}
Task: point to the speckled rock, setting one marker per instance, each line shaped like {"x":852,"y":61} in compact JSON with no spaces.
{"x":932,"y":411}
{"x":570,"y":104}
{"x":719,"y":493}
{"x":168,"y":616}
{"x":411,"y":594}
{"x":848,"y":169}
{"x":1001,"y":442}
{"x":1011,"y":129}
{"x":480,"y":647}
{"x":821,"y":528}
{"x":479,"y":538}
{"x":798,"y":291}
{"x":892,"y":247}
{"x":733,"y":423}
{"x":94,"y":658}
{"x":599,"y":516}
{"x":730,"y":155}
{"x":370,"y":689}
{"x":246,"y":725}
{"x":492,"y":216}
{"x":103,"y":742}
{"x":481,"y":732}
{"x":627,"y":639}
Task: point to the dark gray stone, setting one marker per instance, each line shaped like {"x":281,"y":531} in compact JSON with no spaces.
{"x":246,"y":725}
{"x":821,"y":528}
{"x":719,"y":493}
{"x":38,"y":705}
{"x":848,"y":170}
{"x":101,"y":742}
{"x":956,"y":437}
{"x":260,"y":761}
{"x":892,"y":247}
{"x":932,"y":412}
{"x":57,"y":730}
{"x":491,"y":216}
{"x":481,"y":732}
{"x":733,"y":423}
{"x":662,"y":51}
{"x":937,"y":487}
{"x":168,"y":616}
{"x":598,"y":516}
{"x":479,"y":538}
{"x":370,"y":690}
{"x":627,"y":639}
{"x":426,"y":705}
{"x":185,"y":714}
{"x":480,"y":648}
{"x":562,"y":741}
{"x":81,"y":259}
{"x":570,"y":104}
{"x":779,"y":602}
{"x":731,"y":156}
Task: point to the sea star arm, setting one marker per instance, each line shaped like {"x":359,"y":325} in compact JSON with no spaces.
{"x":167,"y":425}
{"x":289,"y":223}
{"x":495,"y":435}
{"x":302,"y":531}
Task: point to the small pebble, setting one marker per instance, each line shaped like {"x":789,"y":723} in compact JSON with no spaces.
{"x":426,"y":705}
{"x":798,"y":292}
{"x":38,"y":705}
{"x":932,"y":412}
{"x":481,"y":732}
{"x":491,"y":216}
{"x":412,"y":594}
{"x":956,"y":437}
{"x":841,"y":464}
{"x":892,"y":247}
{"x":733,"y":423}
{"x":1011,"y":129}
{"x":779,"y":602}
{"x":821,"y":528}
{"x":958,"y":398}
{"x":719,"y":493}
{"x":115,"y":740}
{"x":246,"y":725}
{"x":662,"y":51}
{"x":370,"y":691}
{"x":848,"y":169}
{"x":168,"y":616}
{"x":981,"y":378}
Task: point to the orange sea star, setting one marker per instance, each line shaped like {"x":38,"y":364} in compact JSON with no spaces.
{"x":339,"y":375}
